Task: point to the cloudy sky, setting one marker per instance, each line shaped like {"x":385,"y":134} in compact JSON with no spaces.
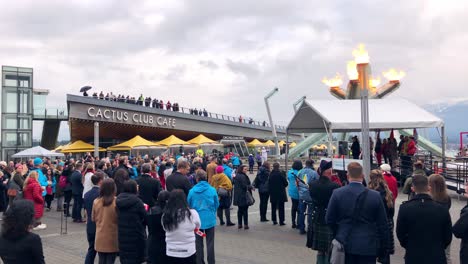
{"x":226,"y":55}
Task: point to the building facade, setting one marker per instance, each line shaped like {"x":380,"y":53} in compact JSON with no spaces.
{"x":17,"y":110}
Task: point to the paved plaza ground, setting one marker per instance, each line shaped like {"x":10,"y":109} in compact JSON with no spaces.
{"x":263,"y":243}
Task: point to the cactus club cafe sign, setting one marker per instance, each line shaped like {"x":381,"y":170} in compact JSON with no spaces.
{"x":128,"y":117}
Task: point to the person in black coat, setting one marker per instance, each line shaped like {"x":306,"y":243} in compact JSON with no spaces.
{"x":157,"y":235}
{"x":460,"y":230}
{"x":17,"y":243}
{"x":178,"y":180}
{"x":88,"y":201}
{"x":424,"y":227}
{"x":148,"y":187}
{"x":261,"y":183}
{"x":131,"y":217}
{"x":277,"y":184}
{"x":77,"y":191}
{"x":242,"y":185}
{"x":320,"y":235}
{"x":356,"y":148}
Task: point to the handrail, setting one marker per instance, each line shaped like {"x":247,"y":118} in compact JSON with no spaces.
{"x":201,"y":113}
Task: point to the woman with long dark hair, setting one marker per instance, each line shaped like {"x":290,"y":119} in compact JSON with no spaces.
{"x":179,"y":222}
{"x":50,"y":188}
{"x":17,"y":243}
{"x":439,"y":194}
{"x":378,"y":183}
{"x":120,"y":176}
{"x":156,"y":233}
{"x":104,"y":214}
{"x":242,"y":185}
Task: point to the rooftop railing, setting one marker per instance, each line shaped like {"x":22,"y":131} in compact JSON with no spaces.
{"x":50,"y":113}
{"x":201,"y":113}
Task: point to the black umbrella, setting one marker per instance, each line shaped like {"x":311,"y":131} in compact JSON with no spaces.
{"x":85,"y":88}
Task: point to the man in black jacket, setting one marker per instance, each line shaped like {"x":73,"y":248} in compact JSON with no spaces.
{"x":178,"y":179}
{"x":77,"y":192}
{"x":148,"y":187}
{"x":89,"y":198}
{"x":123,"y":165}
{"x":424,"y":227}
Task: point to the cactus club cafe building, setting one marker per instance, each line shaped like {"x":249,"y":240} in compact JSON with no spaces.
{"x":335,"y":116}
{"x":108,"y":123}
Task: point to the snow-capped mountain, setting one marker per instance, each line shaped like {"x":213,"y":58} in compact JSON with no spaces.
{"x":455,"y":115}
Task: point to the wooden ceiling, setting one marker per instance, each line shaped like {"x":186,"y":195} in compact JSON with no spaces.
{"x":108,"y":131}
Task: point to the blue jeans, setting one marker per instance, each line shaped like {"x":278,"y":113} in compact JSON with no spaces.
{"x":303,"y":208}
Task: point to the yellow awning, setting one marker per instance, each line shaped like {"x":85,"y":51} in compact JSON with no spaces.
{"x":201,"y":139}
{"x":136,"y":142}
{"x":172,"y":141}
{"x":78,"y":147}
{"x":255,"y":143}
{"x":281,"y":143}
{"x":292,"y":145}
{"x":269,"y":143}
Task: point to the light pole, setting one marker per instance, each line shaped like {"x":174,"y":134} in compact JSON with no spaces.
{"x":273,"y":128}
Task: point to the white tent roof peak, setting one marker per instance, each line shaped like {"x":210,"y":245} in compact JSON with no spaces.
{"x":345,"y":115}
{"x":37,"y":151}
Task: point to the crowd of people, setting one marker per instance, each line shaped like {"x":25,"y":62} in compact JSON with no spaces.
{"x":158,"y":104}
{"x":166,"y":209}
{"x":394,"y":153}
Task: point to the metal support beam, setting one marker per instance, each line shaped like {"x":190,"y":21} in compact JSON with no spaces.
{"x":273,"y":128}
{"x":96,"y":139}
{"x":295,"y":110}
{"x":444,"y":142}
{"x":364,"y":73}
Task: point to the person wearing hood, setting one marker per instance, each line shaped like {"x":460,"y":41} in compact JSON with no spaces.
{"x":131,"y":216}
{"x":251,"y":163}
{"x":261,"y":183}
{"x":221,"y":181}
{"x":204,"y":199}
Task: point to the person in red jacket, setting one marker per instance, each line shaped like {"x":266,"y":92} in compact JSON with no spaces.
{"x":390,"y":179}
{"x":33,"y":191}
{"x":411,"y":149}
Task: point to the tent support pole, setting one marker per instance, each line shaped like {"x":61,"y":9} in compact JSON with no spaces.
{"x":96,"y":139}
{"x":330,"y":144}
{"x":444,"y":161}
{"x":286,"y":152}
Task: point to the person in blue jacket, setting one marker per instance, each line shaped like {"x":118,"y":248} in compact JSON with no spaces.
{"x":236,"y":162}
{"x":293,"y":191}
{"x":204,"y":199}
{"x":42,"y":179}
{"x":227,"y":169}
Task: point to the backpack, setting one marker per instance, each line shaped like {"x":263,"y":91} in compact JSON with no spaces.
{"x":63,"y":181}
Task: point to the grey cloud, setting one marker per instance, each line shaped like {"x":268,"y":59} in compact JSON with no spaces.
{"x":246,"y":69}
{"x":209,"y":64}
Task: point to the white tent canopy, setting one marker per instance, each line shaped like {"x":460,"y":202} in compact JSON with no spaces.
{"x":345,"y":116}
{"x":37,"y":152}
